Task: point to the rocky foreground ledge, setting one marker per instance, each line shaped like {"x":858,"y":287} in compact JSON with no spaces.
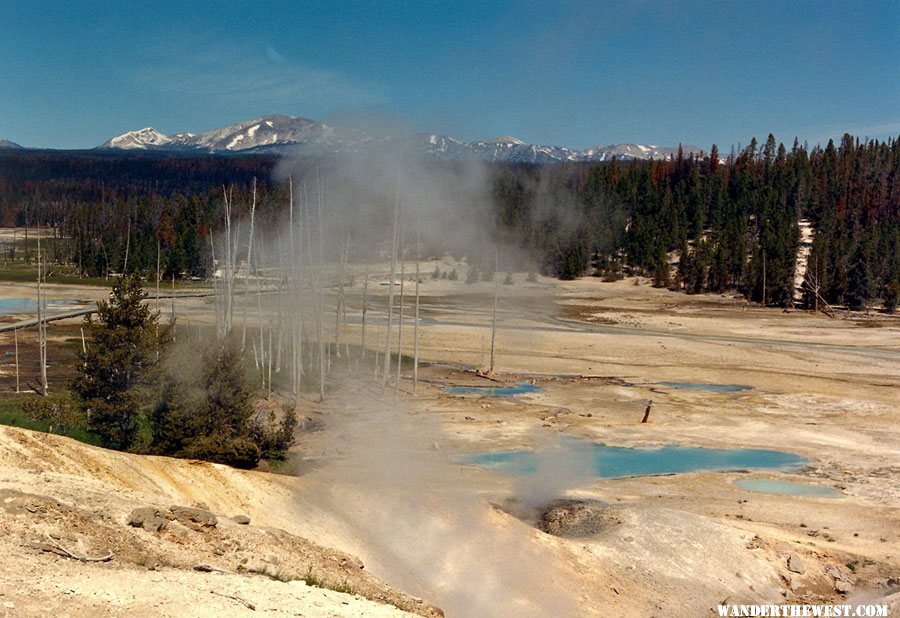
{"x":90,"y":532}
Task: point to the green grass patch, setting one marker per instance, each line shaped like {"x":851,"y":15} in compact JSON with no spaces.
{"x":13,"y":415}
{"x":21,"y":271}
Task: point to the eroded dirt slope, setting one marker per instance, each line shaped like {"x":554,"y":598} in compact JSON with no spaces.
{"x":66,"y":545}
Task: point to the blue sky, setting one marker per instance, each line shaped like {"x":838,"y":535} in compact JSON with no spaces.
{"x":73,"y":74}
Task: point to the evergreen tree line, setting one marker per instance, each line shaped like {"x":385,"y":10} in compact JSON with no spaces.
{"x":730,"y":223}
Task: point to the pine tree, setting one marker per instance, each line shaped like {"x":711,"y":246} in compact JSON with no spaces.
{"x":119,"y":364}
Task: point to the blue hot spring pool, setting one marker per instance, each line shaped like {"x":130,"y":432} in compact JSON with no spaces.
{"x":29,"y":305}
{"x":494,"y":391}
{"x":716,"y":388}
{"x":618,"y":462}
{"x":790,"y":488}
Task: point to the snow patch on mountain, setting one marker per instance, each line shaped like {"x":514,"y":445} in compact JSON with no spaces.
{"x":280,"y":134}
{"x":142,"y":139}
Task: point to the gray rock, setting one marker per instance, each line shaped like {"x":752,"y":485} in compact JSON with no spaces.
{"x":194,"y":518}
{"x":843,"y":587}
{"x":148,"y":518}
{"x":835,"y":573}
{"x":241,"y":519}
{"x":795,"y":564}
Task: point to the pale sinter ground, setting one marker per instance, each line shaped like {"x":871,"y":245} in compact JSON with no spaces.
{"x":674,"y":545}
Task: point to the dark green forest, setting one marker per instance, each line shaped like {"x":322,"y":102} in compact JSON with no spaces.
{"x":706,"y":223}
{"x":734,"y":222}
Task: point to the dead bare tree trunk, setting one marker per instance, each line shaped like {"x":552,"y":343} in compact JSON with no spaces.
{"x":42,"y":324}
{"x":259,"y":319}
{"x":365,"y":306}
{"x":321,"y":286}
{"x":127,"y":245}
{"x":216,"y":305}
{"x":494,"y":313}
{"x":313,"y":274}
{"x":247,"y":276}
{"x":390,"y":313}
{"x":156,"y":328}
{"x":416,"y":314}
{"x":400,"y":314}
{"x":157,"y":274}
{"x":296,"y":321}
{"x":16,"y":339}
{"x":269,"y":353}
{"x":339,"y":304}
{"x":27,"y":256}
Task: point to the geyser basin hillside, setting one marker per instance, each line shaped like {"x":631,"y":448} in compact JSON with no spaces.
{"x":617,"y":462}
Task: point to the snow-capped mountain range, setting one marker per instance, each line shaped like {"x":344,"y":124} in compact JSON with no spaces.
{"x":287,"y":134}
{"x":7,"y":145}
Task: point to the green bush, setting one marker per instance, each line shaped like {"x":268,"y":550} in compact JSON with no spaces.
{"x":272,"y":437}
{"x":238,"y":452}
{"x":60,"y":414}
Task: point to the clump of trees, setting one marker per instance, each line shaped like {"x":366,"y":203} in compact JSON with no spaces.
{"x":209,"y":414}
{"x":138,"y":394}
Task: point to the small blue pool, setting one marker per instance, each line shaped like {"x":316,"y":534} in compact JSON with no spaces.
{"x":29,"y":305}
{"x":789,"y":488}
{"x":494,"y":391}
{"x":618,"y":462}
{"x":716,"y":388}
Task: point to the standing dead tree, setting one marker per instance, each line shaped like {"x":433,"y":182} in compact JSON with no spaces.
{"x":247,"y":272}
{"x":393,"y":273}
{"x":400,"y":313}
{"x":416,"y":314}
{"x":320,"y":313}
{"x":365,"y":307}
{"x":16,"y":339}
{"x":296,"y":269}
{"x":339,"y":309}
{"x":42,"y":324}
{"x":494,"y":312}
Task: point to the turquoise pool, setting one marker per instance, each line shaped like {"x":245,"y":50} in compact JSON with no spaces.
{"x":618,"y":462}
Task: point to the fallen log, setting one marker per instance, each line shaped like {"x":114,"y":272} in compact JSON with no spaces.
{"x":54,"y":547}
{"x":243,"y":602}
{"x":480,"y":374}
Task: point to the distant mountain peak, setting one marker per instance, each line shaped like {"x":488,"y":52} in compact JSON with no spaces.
{"x":8,"y":145}
{"x":142,"y":139}
{"x":503,"y":140}
{"x":279,"y":134}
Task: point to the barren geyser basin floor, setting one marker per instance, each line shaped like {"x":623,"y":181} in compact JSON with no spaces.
{"x":386,"y":480}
